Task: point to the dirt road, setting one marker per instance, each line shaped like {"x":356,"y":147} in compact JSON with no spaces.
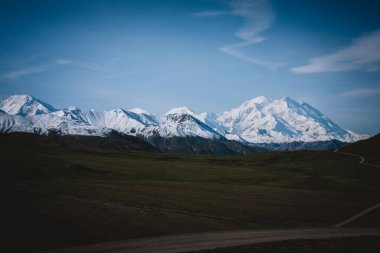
{"x":357,"y":216}
{"x":200,"y":241}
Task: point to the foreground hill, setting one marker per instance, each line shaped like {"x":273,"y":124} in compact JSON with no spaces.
{"x":202,"y":146}
{"x":115,"y":141}
{"x":369,"y":148}
{"x":56,"y":193}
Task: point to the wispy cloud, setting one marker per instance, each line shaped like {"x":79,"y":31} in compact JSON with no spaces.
{"x":362,"y":54}
{"x":63,"y":61}
{"x":210,"y":13}
{"x":29,"y":70}
{"x":108,"y":69}
{"x":364,"y":92}
{"x":258,"y":16}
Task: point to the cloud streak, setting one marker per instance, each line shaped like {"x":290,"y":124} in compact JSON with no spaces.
{"x":362,"y":54}
{"x":29,"y":70}
{"x":258,"y":16}
{"x":41,"y":68}
{"x":364,"y":92}
{"x":210,"y":13}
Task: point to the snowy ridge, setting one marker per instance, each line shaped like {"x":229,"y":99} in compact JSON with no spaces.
{"x":25,"y":105}
{"x":284,"y":120}
{"x":43,"y":123}
{"x":183,"y":122}
{"x":259,"y":120}
{"x":127,"y":122}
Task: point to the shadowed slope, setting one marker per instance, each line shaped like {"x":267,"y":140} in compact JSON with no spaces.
{"x":369,"y":148}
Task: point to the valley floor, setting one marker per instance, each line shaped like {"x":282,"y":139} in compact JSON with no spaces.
{"x":56,"y":195}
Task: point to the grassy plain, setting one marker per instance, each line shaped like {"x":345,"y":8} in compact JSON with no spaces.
{"x":56,"y":195}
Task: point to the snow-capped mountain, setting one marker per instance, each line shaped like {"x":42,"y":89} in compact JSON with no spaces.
{"x":183,"y":122}
{"x":211,"y":119}
{"x":43,"y":123}
{"x":259,"y":120}
{"x":262,"y":120}
{"x":25,"y":105}
{"x":127,"y":122}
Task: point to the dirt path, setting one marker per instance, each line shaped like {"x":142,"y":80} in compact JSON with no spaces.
{"x":362,"y":159}
{"x":201,"y":241}
{"x":356,"y":216}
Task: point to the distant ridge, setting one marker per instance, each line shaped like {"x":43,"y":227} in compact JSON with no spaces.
{"x":114,"y":142}
{"x":256,"y":121}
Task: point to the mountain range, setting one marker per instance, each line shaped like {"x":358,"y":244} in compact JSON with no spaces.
{"x":259,"y":121}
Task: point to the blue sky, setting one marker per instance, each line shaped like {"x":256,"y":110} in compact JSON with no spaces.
{"x":207,"y":55}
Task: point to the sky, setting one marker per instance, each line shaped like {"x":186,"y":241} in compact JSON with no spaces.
{"x":207,"y":55}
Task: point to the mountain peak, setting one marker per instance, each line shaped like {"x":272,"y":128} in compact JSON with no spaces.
{"x":72,"y":108}
{"x":181,"y":110}
{"x":25,"y":105}
{"x":260,"y":100}
{"x":138,"y":110}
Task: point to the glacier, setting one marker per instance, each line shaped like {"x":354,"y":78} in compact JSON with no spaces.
{"x":259,"y":120}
